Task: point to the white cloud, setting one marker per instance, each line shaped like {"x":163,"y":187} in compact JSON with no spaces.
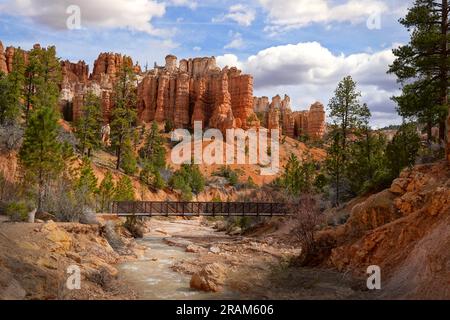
{"x":290,"y":14}
{"x":132,"y":14}
{"x":197,"y":49}
{"x":237,"y":42}
{"x":184,"y":3}
{"x":239,"y":13}
{"x":309,"y":72}
{"x":229,"y":60}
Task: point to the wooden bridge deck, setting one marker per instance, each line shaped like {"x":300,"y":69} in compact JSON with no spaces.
{"x":189,"y":209}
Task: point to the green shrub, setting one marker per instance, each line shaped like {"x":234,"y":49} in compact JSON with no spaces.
{"x":231,"y":175}
{"x":17,"y":211}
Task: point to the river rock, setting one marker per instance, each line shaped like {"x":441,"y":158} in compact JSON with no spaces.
{"x":193,"y":248}
{"x":210,"y":278}
{"x":215,"y":250}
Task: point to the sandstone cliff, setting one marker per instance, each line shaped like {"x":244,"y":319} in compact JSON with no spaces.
{"x":197,"y":90}
{"x":405,"y":230}
{"x":293,"y":124}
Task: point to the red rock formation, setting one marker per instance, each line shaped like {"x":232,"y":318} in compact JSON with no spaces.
{"x":3,"y":65}
{"x":316,"y":124}
{"x":293,"y":124}
{"x":109,"y":64}
{"x":222,"y":117}
{"x":9,"y":54}
{"x":75,"y":72}
{"x":197,"y":90}
{"x":261,"y":105}
{"x":182,"y":117}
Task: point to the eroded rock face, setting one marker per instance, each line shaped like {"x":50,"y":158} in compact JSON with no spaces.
{"x":3,"y":65}
{"x":197,"y":90}
{"x":293,"y":124}
{"x":405,"y":230}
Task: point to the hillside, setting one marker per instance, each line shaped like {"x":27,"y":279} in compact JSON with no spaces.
{"x":405,"y":230}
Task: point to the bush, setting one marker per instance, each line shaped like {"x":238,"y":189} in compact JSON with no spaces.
{"x":151,"y":177}
{"x":188,"y":179}
{"x":128,"y":162}
{"x":17,"y":211}
{"x":228,"y":173}
{"x":402,"y":151}
{"x":169,"y":126}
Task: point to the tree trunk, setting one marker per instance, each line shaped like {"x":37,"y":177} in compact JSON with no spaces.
{"x":119,"y":153}
{"x":444,"y":72}
{"x":429,"y":131}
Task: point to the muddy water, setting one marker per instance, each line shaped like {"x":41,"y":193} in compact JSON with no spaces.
{"x":152,"y":277}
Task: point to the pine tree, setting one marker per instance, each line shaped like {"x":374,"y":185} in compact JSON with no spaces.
{"x":88,"y":126}
{"x":50,"y":76}
{"x":153,"y":150}
{"x":128,"y":162}
{"x":41,"y":155}
{"x":349,"y":116}
{"x":422,"y":66}
{"x":124,"y":114}
{"x":86,"y":186}
{"x":402,"y":151}
{"x":124,"y":190}
{"x":106,"y":192}
{"x":197,"y":181}
{"x":151,"y":177}
{"x":347,"y":112}
{"x":298,"y":176}
{"x":11,"y":90}
{"x":334,"y":162}
{"x":367,"y":165}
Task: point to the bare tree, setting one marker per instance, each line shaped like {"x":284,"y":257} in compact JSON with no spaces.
{"x":306,"y":218}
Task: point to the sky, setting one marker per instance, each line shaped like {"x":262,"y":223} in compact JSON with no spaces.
{"x":301,"y":48}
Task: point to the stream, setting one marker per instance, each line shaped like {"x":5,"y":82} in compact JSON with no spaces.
{"x":152,"y":278}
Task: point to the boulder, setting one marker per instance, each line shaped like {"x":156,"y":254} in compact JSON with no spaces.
{"x":209,"y":278}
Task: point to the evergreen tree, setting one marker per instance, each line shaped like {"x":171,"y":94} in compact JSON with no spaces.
{"x":11,"y":90}
{"x":151,"y":177}
{"x":86,"y":186}
{"x":124,"y":190}
{"x":153,"y":150}
{"x":124,"y":114}
{"x":197,"y":181}
{"x":50,"y":76}
{"x":41,"y":154}
{"x":422,"y":66}
{"x":106,"y":192}
{"x":298,"y":177}
{"x":188,"y":179}
{"x":88,"y":126}
{"x":366,"y":168}
{"x":128,"y":162}
{"x":349,"y":118}
{"x":43,"y":78}
{"x":334,"y":162}
{"x":347,"y":112}
{"x":402,"y":151}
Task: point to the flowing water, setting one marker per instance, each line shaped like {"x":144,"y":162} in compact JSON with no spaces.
{"x":153,"y":279}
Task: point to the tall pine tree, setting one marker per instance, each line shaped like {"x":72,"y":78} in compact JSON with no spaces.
{"x":11,"y":90}
{"x":41,"y":155}
{"x":88,"y":126}
{"x":124,"y":115}
{"x":422,"y":66}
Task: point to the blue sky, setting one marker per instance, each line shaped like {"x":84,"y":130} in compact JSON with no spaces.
{"x":297,"y":47}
